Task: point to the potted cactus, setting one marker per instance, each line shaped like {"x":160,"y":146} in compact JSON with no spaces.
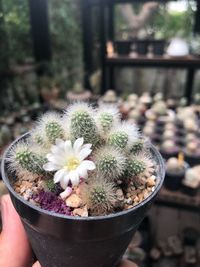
{"x":82,"y":183}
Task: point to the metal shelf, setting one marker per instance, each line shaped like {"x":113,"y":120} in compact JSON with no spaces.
{"x":178,"y":200}
{"x":156,"y":61}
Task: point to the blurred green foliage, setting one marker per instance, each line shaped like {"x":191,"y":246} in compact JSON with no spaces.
{"x":65,"y":30}
{"x":17,"y":28}
{"x":164,"y":24}
{"x":66,"y":38}
{"x":171,"y":24}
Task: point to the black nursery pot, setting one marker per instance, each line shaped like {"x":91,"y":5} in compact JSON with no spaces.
{"x":123,"y":47}
{"x":141,"y":46}
{"x":190,"y":191}
{"x":192,"y":159}
{"x":172,"y":153}
{"x":158,"y":47}
{"x":59,"y":240}
{"x":173,"y":180}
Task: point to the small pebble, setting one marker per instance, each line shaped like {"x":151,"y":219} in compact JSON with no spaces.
{"x":129,"y":201}
{"x":151,"y":181}
{"x":74,"y":201}
{"x":120,"y":194}
{"x":82,"y":212}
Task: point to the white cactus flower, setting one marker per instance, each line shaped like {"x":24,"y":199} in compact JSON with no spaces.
{"x":69,"y":161}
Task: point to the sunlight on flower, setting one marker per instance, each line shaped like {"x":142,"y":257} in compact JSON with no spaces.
{"x":69,"y":161}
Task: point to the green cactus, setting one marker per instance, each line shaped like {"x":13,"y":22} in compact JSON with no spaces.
{"x":100,"y":197}
{"x":134,"y":167}
{"x":53,"y":131}
{"x":137,"y":146}
{"x":110,"y":162}
{"x":118,"y":139}
{"x":106,"y":121}
{"x":51,"y":185}
{"x":48,"y":129}
{"x":30,"y":161}
{"x":123,"y":135}
{"x":23,"y":157}
{"x":107,"y":117}
{"x":83,"y":125}
{"x":38,"y":139}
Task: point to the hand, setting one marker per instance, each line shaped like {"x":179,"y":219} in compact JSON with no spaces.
{"x":15,"y":250}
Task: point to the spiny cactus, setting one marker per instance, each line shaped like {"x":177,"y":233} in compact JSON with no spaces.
{"x":139,"y":165}
{"x":123,"y":135}
{"x":38,"y":136}
{"x":134,"y":167}
{"x":82,"y":123}
{"x":48,"y":129}
{"x":55,"y":188}
{"x":110,"y":162}
{"x":53,"y":126}
{"x":137,"y":146}
{"x":107,"y":117}
{"x":23,"y":157}
{"x":99,"y":196}
{"x":53,"y":131}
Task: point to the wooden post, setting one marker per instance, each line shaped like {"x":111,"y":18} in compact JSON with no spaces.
{"x":103,"y":47}
{"x":3,"y":42}
{"x":87,"y":41}
{"x":40,"y":30}
{"x":197,"y":18}
{"x":4,"y":54}
{"x":189,"y":85}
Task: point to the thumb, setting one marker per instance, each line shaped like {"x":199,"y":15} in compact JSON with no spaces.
{"x":15,"y":250}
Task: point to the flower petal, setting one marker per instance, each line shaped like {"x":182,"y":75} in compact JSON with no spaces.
{"x":65,"y":181}
{"x":50,"y":167}
{"x":74,"y":177}
{"x":59,"y":175}
{"x":82,"y":171}
{"x":56,"y":159}
{"x":78,"y":144}
{"x":88,"y":164}
{"x":68,"y":147}
{"x":59,"y":142}
{"x":84,"y":153}
{"x":87,"y":146}
{"x":57,"y":149}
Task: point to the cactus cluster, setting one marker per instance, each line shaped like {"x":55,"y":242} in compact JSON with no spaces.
{"x":85,"y":146}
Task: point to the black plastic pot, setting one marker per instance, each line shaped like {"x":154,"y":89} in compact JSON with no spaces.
{"x":190,"y":191}
{"x":141,"y":46}
{"x":59,"y":240}
{"x":172,"y":153}
{"x":158,"y":47}
{"x":123,"y":47}
{"x":173,"y":180}
{"x":156,"y":138}
{"x":192,"y":159}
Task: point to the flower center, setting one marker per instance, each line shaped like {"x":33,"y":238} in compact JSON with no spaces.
{"x":72,"y":163}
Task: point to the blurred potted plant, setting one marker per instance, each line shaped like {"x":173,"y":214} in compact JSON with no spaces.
{"x":158,"y":43}
{"x":78,"y":94}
